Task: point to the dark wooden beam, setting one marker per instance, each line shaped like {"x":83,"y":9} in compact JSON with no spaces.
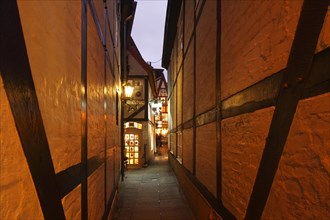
{"x":96,"y":22}
{"x":105,"y":103}
{"x":207,"y":117}
{"x":195,"y":93}
{"x":264,"y":93}
{"x":19,"y":86}
{"x":138,"y":119}
{"x":70,"y":178}
{"x":146,"y":97}
{"x":218,"y":115}
{"x":292,"y":86}
{"x":131,"y":117}
{"x":84,"y":149}
{"x":108,"y":24}
{"x":183,"y":74}
{"x":188,"y":124}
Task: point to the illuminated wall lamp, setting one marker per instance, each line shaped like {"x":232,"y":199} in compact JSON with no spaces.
{"x":128,"y":90}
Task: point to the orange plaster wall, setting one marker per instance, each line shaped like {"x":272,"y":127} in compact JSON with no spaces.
{"x":206,"y":156}
{"x":52,"y":33}
{"x":54,"y":56}
{"x":179,"y":98}
{"x":95,"y":92}
{"x":189,"y":23}
{"x":52,"y":38}
{"x":324,"y":38}
{"x":256,"y":40}
{"x":187,"y":145}
{"x":205,"y":58}
{"x":18,"y":197}
{"x":188,"y":86}
{"x":243,"y":141}
{"x":96,"y":194}
{"x":301,"y":187}
{"x":71,"y":204}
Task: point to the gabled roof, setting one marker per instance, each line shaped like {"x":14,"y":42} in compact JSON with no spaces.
{"x":134,"y":51}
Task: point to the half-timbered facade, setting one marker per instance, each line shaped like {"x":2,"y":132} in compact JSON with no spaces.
{"x":60,"y":80}
{"x":139,"y":124}
{"x":249,"y":106}
{"x":161,"y":119}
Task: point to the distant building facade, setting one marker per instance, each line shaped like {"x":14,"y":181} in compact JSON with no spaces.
{"x":139,"y":123}
{"x":161,"y":118}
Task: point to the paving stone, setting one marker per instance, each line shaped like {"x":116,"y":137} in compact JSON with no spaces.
{"x":152,"y":193}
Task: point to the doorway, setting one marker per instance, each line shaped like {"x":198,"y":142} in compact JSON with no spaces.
{"x":132,"y":148}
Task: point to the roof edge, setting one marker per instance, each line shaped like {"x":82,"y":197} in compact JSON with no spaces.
{"x":172,"y":16}
{"x":134,"y":51}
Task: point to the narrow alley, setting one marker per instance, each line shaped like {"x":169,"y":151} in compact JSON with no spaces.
{"x":152,"y":193}
{"x":229,"y":119}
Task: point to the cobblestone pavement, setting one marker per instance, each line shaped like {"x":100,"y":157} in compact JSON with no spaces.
{"x":152,"y":193}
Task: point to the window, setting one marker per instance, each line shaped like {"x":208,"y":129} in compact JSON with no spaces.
{"x":132,"y":148}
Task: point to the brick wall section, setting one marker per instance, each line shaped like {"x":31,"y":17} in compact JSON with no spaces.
{"x":243,"y":141}
{"x":179,"y":98}
{"x":174,"y":147}
{"x":179,"y":40}
{"x":205,"y":59}
{"x":301,"y":188}
{"x":189,"y":23}
{"x":206,"y":156}
{"x":188,"y":86}
{"x":256,"y":41}
{"x":187,"y":145}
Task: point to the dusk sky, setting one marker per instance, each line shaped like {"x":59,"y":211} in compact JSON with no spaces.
{"x":148,"y":29}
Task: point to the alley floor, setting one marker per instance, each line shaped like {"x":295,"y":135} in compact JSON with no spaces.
{"x":152,"y":193}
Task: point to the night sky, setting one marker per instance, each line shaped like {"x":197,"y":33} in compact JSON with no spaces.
{"x":148,"y":29}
